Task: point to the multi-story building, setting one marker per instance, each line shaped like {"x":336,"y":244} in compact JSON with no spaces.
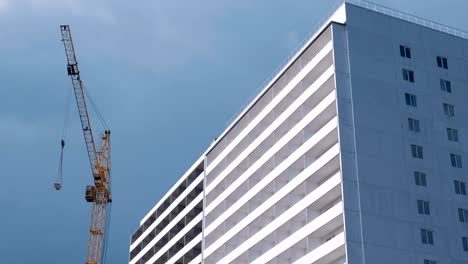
{"x":354,"y":153}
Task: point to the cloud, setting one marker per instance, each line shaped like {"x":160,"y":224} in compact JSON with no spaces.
{"x":86,"y":8}
{"x":13,"y":130}
{"x":4,"y":5}
{"x":99,"y":10}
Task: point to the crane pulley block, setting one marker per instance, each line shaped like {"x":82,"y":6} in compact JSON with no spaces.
{"x":97,"y":176}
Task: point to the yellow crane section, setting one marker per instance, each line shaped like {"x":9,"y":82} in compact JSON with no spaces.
{"x":98,"y":150}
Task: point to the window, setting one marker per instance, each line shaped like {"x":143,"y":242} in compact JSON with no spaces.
{"x":442,"y":62}
{"x":452,"y":134}
{"x":463,"y":215}
{"x":429,"y":261}
{"x":449,"y":110}
{"x":460,"y":187}
{"x":456,"y":160}
{"x":427,"y":236}
{"x":411,"y":100}
{"x":445,"y":86}
{"x":417,"y":151}
{"x":465,"y":243}
{"x":405,"y":52}
{"x":413,"y":125}
{"x":420,"y":178}
{"x":423,"y":207}
{"x":408,"y":75}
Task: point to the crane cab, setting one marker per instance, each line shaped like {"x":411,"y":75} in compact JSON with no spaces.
{"x":72,"y":69}
{"x":90,"y":194}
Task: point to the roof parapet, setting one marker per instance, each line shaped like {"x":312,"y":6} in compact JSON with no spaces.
{"x":409,"y":18}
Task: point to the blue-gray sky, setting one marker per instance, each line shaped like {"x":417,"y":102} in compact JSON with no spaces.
{"x":166,"y":75}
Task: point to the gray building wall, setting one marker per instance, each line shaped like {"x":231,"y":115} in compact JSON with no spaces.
{"x":380,"y":195}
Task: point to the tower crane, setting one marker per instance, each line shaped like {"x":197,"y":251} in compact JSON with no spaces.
{"x":98,"y":150}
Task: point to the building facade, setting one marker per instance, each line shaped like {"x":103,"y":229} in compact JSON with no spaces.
{"x":354,"y":153}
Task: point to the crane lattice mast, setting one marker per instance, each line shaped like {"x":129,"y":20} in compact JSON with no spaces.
{"x":99,"y":157}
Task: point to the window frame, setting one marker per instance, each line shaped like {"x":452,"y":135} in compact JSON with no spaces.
{"x":465,"y":243}
{"x":460,"y":187}
{"x":452,"y":134}
{"x":463,"y":215}
{"x":449,"y":109}
{"x":411,"y":100}
{"x":405,"y":51}
{"x":456,"y":160}
{"x":442,"y":62}
{"x":424,"y":207}
{"x":446,"y":86}
{"x":420,"y":178}
{"x":417,"y":151}
{"x":408,"y":75}
{"x":414,"y":125}
{"x":427,"y":236}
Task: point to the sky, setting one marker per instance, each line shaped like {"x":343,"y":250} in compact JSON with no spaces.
{"x":167,"y":76}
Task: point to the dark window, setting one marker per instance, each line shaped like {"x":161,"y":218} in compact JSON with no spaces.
{"x":427,"y":237}
{"x":463,"y":215}
{"x":456,"y":160}
{"x":408,"y":75}
{"x":442,"y":62}
{"x":449,"y":110}
{"x":417,"y":151}
{"x":445,"y":86}
{"x":460,"y":187}
{"x":405,"y":52}
{"x":411,"y":100}
{"x":420,"y":178}
{"x":465,"y":243}
{"x":423,"y":207}
{"x":429,"y":261}
{"x":452,"y":134}
{"x":413,"y":125}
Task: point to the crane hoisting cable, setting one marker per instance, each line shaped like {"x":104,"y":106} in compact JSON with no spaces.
{"x":58,"y":183}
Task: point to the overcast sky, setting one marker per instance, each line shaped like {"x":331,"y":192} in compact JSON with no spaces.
{"x":166,"y":75}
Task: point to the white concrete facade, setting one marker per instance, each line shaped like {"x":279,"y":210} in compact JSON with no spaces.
{"x":342,"y":158}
